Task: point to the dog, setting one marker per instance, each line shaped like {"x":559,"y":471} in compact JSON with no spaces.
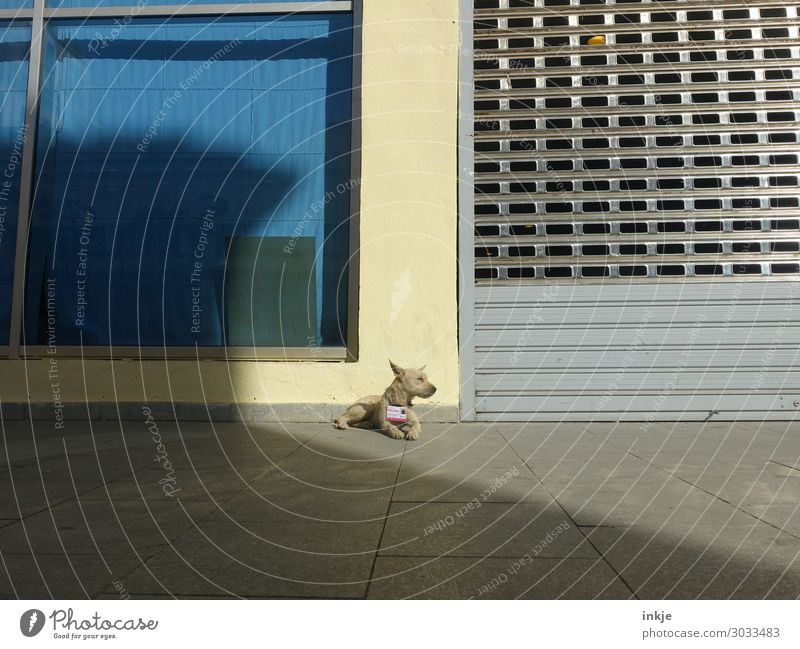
{"x":391,"y":412}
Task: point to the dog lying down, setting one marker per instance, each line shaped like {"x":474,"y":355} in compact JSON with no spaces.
{"x":391,"y":412}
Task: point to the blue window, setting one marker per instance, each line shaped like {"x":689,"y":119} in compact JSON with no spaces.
{"x":133,"y":9}
{"x":192,"y":183}
{"x":14,"y":45}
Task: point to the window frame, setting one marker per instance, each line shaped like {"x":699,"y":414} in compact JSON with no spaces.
{"x":38,"y":16}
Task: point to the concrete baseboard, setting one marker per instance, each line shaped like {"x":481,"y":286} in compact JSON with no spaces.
{"x":164,"y":411}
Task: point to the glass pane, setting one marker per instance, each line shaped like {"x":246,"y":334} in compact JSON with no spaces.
{"x":134,"y":7}
{"x":188,"y":174}
{"x":14,"y":46}
{"x":15,"y":4}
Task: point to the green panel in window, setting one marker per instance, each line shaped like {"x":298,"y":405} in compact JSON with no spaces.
{"x":271,"y":295}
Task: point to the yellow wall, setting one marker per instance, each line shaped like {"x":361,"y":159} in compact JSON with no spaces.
{"x":408,"y":245}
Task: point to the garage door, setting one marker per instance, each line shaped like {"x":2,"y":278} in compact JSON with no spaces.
{"x":636,"y":221}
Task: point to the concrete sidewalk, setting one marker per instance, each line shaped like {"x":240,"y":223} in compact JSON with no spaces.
{"x":473,"y":510}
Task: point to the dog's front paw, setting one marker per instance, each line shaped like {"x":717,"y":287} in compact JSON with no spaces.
{"x":413,"y":435}
{"x":395,"y":433}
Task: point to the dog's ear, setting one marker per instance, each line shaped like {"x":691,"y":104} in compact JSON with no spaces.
{"x":399,"y":371}
{"x":422,"y":369}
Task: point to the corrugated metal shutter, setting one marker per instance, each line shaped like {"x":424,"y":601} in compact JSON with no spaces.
{"x":637,"y":225}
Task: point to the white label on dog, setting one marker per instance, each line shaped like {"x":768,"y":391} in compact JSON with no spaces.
{"x":396,"y":413}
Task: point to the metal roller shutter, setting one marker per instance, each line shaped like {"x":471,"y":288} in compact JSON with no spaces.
{"x":637,"y":226}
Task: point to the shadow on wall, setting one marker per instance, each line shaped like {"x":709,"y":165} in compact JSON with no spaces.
{"x":190,"y":249}
{"x":178,"y":249}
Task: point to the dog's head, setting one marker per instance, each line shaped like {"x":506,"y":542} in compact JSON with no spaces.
{"x":414,"y":381}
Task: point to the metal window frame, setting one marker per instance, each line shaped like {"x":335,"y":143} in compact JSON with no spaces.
{"x":38,"y":15}
{"x":176,"y":353}
{"x":26,"y":179}
{"x":466,"y":214}
{"x":166,"y":11}
{"x":211,"y":9}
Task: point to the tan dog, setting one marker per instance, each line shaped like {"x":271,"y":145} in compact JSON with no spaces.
{"x":371,"y":412}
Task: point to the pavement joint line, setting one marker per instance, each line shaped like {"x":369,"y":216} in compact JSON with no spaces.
{"x":463,"y":502}
{"x":385,"y":522}
{"x":602,"y":556}
{"x":300,"y":445}
{"x":80,"y":553}
{"x":8,"y":575}
{"x":218,"y":596}
{"x":116,"y":555}
{"x":705,"y":491}
{"x":141,"y":561}
{"x":44,"y":509}
{"x":610,"y":527}
{"x":484,"y":557}
{"x":788,"y":466}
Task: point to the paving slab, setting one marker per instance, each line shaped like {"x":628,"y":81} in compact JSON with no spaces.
{"x":587,"y":457}
{"x":134,"y":596}
{"x":134,"y":444}
{"x":761,"y":484}
{"x":225,"y":560}
{"x":508,"y":481}
{"x":704,"y":441}
{"x":357,"y":471}
{"x":303,"y":539}
{"x":783,"y":515}
{"x":168,"y":483}
{"x":279,"y":494}
{"x":731,"y":561}
{"x":652,"y":497}
{"x":462,"y":578}
{"x":23,"y":497}
{"x":521,"y":431}
{"x":245,"y":445}
{"x":96,"y":527}
{"x":455,"y":439}
{"x":355,"y":445}
{"x":80,"y":469}
{"x":60,"y":576}
{"x":488,"y":529}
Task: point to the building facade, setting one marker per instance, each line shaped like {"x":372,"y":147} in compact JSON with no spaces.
{"x":189,"y":192}
{"x":565,"y":209}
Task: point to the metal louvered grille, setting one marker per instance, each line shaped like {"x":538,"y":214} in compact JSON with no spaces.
{"x":671,"y":150}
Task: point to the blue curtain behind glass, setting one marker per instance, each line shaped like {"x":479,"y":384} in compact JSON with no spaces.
{"x":163,"y":139}
{"x":149,"y":3}
{"x":14,"y":45}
